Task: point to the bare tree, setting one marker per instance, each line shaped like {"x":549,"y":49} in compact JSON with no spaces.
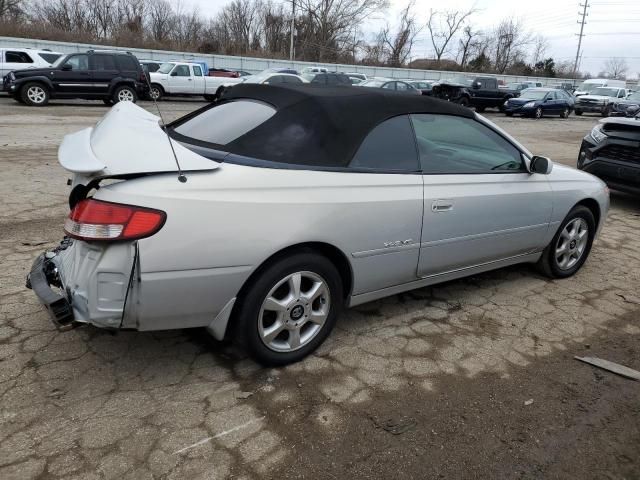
{"x":399,"y":45}
{"x":616,"y":67}
{"x":443,"y":26}
{"x":468,"y":45}
{"x":11,"y":8}
{"x":509,"y":40}
{"x":540,"y":46}
{"x":160,"y":18}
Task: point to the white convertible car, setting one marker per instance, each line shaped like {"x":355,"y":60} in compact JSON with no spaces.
{"x":291,"y":203}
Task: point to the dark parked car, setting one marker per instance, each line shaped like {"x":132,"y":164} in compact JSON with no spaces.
{"x":611,"y":151}
{"x":626,"y":106}
{"x":330,"y":78}
{"x":538,"y":102}
{"x":479,"y":92}
{"x":94,"y":75}
{"x":396,"y":85}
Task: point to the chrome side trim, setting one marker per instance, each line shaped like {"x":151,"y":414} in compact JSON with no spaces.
{"x":442,"y":277}
{"x":382,"y":251}
{"x":482,"y":235}
{"x":83,"y":84}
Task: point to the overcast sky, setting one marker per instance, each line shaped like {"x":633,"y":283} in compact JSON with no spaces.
{"x":612,"y":25}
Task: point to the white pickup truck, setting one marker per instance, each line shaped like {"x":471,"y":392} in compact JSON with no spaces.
{"x":185,"y":78}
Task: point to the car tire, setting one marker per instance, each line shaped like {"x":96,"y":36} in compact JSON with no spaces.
{"x":538,"y":113}
{"x":269,"y":332}
{"x":107,"y":101}
{"x":480,"y":109}
{"x":210,"y":98}
{"x":567,"y":251}
{"x":578,"y":112}
{"x":509,"y":114}
{"x":125,"y":93}
{"x":464,"y":101}
{"x":156,"y":92}
{"x":35,"y":94}
{"x":565,"y":113}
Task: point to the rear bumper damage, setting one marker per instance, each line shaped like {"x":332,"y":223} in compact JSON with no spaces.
{"x":80,"y":282}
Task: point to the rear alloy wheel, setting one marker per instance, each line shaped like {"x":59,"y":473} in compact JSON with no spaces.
{"x":565,"y":113}
{"x":290,"y":309}
{"x":578,"y":112}
{"x":156,"y":93}
{"x":571,"y":244}
{"x":124,"y":94}
{"x":538,"y":112}
{"x":35,"y":94}
{"x":464,"y":101}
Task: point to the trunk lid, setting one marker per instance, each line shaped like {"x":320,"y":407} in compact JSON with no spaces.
{"x":127,"y":140}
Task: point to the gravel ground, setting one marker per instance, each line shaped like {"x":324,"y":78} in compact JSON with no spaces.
{"x":434,"y":383}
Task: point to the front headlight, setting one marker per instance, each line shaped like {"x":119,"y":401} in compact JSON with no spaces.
{"x":597,"y":135}
{"x":529,"y":105}
{"x":12,"y":76}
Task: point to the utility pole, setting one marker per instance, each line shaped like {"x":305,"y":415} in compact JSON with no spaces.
{"x":582,"y":22}
{"x":293,"y":27}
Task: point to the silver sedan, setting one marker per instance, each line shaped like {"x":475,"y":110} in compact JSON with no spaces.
{"x":261,"y":216}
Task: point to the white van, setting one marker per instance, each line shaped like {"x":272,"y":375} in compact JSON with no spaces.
{"x":591,"y":84}
{"x":23,"y":58}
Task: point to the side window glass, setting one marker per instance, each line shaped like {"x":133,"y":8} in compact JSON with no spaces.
{"x":197,"y":71}
{"x":181,"y":71}
{"x":292,"y":80}
{"x":402,"y":86}
{"x":103,"y":62}
{"x":78,"y":62}
{"x":390,"y":146}
{"x":390,"y":86}
{"x":456,"y":145}
{"x":17,"y":57}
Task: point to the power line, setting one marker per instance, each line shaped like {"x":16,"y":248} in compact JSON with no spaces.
{"x":582,"y":21}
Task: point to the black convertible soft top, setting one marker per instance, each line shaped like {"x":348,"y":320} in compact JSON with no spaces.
{"x":323,"y":126}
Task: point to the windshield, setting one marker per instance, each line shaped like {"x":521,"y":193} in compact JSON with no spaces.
{"x":605,"y":92}
{"x":588,"y":87}
{"x":530,"y":94}
{"x":373,"y":83}
{"x":166,"y":67}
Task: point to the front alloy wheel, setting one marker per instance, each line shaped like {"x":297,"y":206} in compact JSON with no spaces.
{"x":294,"y":311}
{"x":565,"y":113}
{"x":570,"y":246}
{"x":35,"y":94}
{"x":538,"y":113}
{"x":124,"y":94}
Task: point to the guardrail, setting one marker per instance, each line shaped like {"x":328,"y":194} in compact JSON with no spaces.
{"x":254,"y":65}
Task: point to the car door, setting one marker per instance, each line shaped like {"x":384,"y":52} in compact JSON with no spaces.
{"x":180,"y":80}
{"x":551,"y":104}
{"x":72,"y":78}
{"x":103,"y":70}
{"x":198,"y":79}
{"x":481,"y":204}
{"x":387,"y":187}
{"x":389,"y":86}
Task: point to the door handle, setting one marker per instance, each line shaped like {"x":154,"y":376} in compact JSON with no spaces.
{"x":441,"y":206}
{"x":190,"y":79}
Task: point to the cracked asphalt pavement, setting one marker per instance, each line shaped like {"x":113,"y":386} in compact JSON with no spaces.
{"x":469,"y":379}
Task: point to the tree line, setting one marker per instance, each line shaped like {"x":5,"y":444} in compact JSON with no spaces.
{"x":325,"y":31}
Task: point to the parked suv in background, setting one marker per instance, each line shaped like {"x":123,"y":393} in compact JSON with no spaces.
{"x":23,"y":58}
{"x":94,"y":75}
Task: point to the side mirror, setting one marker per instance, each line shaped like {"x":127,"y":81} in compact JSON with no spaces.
{"x":541,"y":165}
{"x":67,"y":67}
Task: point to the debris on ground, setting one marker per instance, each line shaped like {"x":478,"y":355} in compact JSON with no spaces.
{"x":528,"y":402}
{"x":242,"y":395}
{"x":395,"y":426}
{"x":611,"y":366}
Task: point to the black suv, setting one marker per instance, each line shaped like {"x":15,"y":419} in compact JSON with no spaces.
{"x":611,"y":151}
{"x":95,"y":75}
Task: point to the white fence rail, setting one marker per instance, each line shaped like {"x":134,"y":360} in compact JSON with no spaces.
{"x":254,"y":64}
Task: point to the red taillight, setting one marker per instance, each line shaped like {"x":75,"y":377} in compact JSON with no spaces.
{"x":97,"y":220}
